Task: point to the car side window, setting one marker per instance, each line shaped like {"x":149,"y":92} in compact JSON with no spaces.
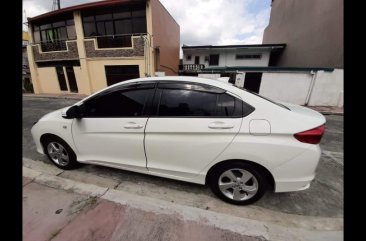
{"x":230,"y":106}
{"x":178,"y":102}
{"x":119,"y":103}
{"x":226,"y":105}
{"x":188,"y":100}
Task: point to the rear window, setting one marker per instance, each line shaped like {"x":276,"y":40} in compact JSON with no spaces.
{"x":273,"y":102}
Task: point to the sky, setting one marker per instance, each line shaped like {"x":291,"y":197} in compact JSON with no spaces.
{"x":202,"y":22}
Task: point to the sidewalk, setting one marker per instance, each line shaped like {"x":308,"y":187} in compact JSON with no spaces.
{"x":57,"y":96}
{"x":326,"y":110}
{"x":86,"y":212}
{"x":57,"y":208}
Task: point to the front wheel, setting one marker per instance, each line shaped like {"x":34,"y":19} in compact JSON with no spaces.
{"x":60,"y":153}
{"x":238,"y":183}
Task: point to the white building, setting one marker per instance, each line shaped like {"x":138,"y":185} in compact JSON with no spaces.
{"x":196,"y":58}
{"x":253,"y":67}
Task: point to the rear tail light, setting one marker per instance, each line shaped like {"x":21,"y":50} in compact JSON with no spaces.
{"x":312,"y":136}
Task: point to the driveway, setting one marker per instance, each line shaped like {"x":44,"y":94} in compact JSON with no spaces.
{"x":315,"y":208}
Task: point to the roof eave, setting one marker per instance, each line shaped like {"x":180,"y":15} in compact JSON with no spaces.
{"x":83,"y":7}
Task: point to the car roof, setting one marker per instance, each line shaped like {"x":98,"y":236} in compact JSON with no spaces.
{"x":176,"y":78}
{"x":213,"y":82}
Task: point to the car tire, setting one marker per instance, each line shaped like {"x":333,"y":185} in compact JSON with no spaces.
{"x":238,"y":183}
{"x":60,"y":153}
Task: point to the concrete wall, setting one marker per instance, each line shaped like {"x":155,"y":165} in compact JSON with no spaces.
{"x":328,"y":89}
{"x":209,"y":76}
{"x":166,"y":36}
{"x":321,"y":89}
{"x":227,"y":57}
{"x":312,"y":30}
{"x":287,"y":87}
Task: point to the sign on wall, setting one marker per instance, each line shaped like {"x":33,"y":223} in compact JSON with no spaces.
{"x":239,"y":80}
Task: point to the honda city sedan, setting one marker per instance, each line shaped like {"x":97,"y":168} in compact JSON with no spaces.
{"x":190,"y":129}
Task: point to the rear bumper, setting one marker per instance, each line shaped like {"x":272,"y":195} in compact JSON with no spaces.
{"x":297,"y":173}
{"x":292,"y":185}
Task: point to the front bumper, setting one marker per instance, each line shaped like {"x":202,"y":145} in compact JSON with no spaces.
{"x":37,"y":138}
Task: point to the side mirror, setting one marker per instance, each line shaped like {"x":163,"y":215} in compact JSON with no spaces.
{"x":73,"y":112}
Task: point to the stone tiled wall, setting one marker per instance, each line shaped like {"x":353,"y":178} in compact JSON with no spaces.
{"x":138,"y":50}
{"x":72,"y":53}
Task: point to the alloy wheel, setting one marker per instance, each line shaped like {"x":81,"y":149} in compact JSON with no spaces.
{"x":58,"y":153}
{"x":238,"y":184}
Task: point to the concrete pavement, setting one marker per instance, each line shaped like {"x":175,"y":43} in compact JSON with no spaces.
{"x":56,"y":208}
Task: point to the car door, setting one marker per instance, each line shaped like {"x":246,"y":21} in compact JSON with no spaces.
{"x":111,"y":131}
{"x":193,"y":124}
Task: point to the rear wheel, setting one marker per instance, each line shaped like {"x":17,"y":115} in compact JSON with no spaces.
{"x":60,"y":153}
{"x":238,"y":183}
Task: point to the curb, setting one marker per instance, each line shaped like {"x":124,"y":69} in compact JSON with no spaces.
{"x":331,"y":113}
{"x":243,"y":226}
{"x":55,"y":97}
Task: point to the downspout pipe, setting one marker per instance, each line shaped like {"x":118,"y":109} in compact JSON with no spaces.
{"x":312,"y":83}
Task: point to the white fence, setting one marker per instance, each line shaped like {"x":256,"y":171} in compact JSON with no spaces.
{"x":318,"y":88}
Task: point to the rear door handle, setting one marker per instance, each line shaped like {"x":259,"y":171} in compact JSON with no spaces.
{"x":220,"y":125}
{"x":132,"y":125}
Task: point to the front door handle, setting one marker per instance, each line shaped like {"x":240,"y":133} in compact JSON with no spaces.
{"x":220,"y":125}
{"x":132,"y":125}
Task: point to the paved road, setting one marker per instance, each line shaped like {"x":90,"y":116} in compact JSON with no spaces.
{"x":323,"y":199}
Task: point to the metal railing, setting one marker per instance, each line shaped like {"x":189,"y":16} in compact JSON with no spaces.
{"x":191,"y":67}
{"x":56,"y":45}
{"x":115,"y":41}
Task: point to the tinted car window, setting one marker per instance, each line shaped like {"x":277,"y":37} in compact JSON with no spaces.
{"x":225,"y":105}
{"x":122,"y":103}
{"x":174,"y":102}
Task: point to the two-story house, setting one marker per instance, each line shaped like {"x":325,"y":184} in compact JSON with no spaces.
{"x":84,"y":48}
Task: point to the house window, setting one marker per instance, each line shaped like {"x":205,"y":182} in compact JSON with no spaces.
{"x":248,"y":56}
{"x":53,"y":36}
{"x":214,"y":59}
{"x":207,"y":58}
{"x":59,"y":30}
{"x":188,"y":57}
{"x":115,"y":21}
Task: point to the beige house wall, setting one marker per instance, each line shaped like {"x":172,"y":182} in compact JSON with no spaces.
{"x":81,"y":81}
{"x":47,"y":79}
{"x":82,"y":74}
{"x":150,"y":37}
{"x":33,"y":70}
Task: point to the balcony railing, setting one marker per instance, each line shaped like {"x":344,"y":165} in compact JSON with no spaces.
{"x":115,"y":41}
{"x":56,"y":45}
{"x":191,"y":67}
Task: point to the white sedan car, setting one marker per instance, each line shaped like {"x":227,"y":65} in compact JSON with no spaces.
{"x":190,"y":129}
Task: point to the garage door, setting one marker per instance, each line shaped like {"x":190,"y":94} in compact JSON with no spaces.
{"x":118,"y":73}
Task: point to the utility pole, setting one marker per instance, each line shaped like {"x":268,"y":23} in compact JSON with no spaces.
{"x":56,"y":5}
